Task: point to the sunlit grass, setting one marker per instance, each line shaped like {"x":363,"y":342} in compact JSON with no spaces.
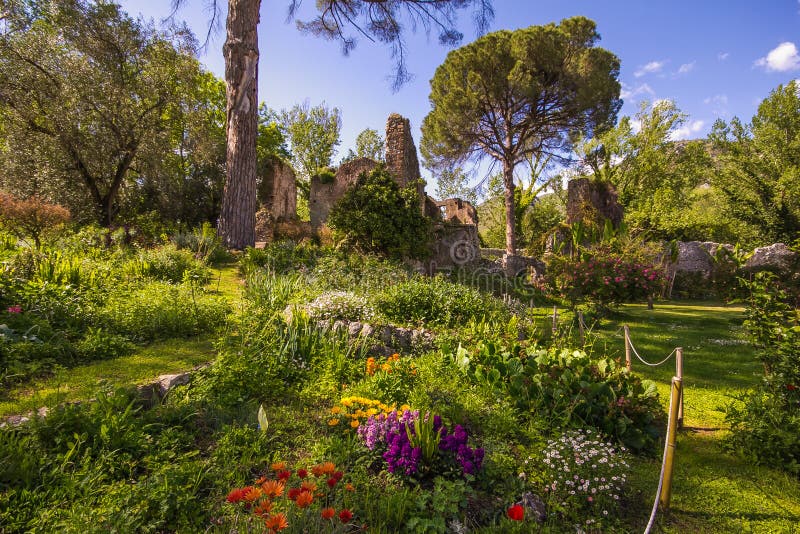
{"x":82,"y":382}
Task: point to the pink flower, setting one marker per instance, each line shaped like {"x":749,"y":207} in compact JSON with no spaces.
{"x":14,"y":309}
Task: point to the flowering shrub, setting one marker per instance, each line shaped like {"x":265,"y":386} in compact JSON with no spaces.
{"x":340,"y":305}
{"x":606,"y":278}
{"x":420,"y":447}
{"x":352,"y":411}
{"x":309,"y":499}
{"x":586,"y":477}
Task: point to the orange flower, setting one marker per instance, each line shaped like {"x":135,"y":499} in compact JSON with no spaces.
{"x":263,"y":509}
{"x":328,"y":468}
{"x":307,"y":485}
{"x":328,"y":513}
{"x":385,"y":367}
{"x":272,"y":488}
{"x":237,"y":494}
{"x":253,"y":494}
{"x":354,"y":423}
{"x":394,"y":357}
{"x":349,"y":487}
{"x":276,"y":522}
{"x":372,"y":366}
{"x":278,"y":466}
{"x":304,"y":499}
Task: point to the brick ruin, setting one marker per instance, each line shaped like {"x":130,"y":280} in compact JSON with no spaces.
{"x":325,"y":194}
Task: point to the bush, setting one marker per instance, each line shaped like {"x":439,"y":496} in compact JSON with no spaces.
{"x":376,"y":215}
{"x":335,"y":305}
{"x":766,"y":427}
{"x":604,"y":278}
{"x":436,"y":301}
{"x":31,"y":218}
{"x":569,"y":389}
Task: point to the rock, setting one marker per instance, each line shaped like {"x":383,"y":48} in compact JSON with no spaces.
{"x":367,"y":330}
{"x":694,"y":257}
{"x":455,"y":245}
{"x":536,"y":505}
{"x":354,"y":329}
{"x":515,"y":265}
{"x":168,"y":382}
{"x":777,"y":258}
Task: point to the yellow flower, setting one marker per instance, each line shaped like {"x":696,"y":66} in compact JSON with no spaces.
{"x":371,"y":411}
{"x":333,"y":422}
{"x":354,"y":423}
{"x":336,"y":410}
{"x":405,"y":408}
{"x":347,"y":402}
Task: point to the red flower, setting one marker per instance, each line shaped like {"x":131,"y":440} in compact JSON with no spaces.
{"x":516,"y":513}
{"x":338,"y":475}
{"x":302,"y":473}
{"x":791,"y":387}
{"x":293,"y":493}
{"x":332,"y":482}
{"x":284,"y":475}
{"x":237,"y":494}
{"x":345,"y":516}
{"x":328,"y":513}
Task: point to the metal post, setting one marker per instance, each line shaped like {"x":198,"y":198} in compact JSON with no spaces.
{"x":627,"y":331}
{"x":679,"y":374}
{"x":580,"y":327}
{"x":555,"y":320}
{"x":672,"y":431}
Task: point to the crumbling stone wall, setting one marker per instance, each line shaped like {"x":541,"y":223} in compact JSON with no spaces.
{"x":324,"y":195}
{"x":277,"y":190}
{"x":401,"y":155}
{"x":592,"y":201}
{"x":458,"y":211}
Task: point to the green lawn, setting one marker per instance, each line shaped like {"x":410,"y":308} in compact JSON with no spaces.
{"x":144,"y":365}
{"x":713,"y":490}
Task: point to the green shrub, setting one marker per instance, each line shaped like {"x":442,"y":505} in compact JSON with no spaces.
{"x":280,"y":257}
{"x":376,"y":215}
{"x":99,"y":344}
{"x":571,"y":389}
{"x":766,"y":427}
{"x":436,"y":301}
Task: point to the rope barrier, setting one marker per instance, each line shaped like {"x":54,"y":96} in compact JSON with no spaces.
{"x":630,"y":342}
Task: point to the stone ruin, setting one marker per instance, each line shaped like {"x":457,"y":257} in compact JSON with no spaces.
{"x":456,"y":231}
{"x":592,"y":202}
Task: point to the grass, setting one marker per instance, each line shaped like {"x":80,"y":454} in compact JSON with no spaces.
{"x":144,"y":365}
{"x":713,"y":490}
{"x":80,"y":383}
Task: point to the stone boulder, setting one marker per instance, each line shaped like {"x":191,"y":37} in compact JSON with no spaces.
{"x":777,"y":258}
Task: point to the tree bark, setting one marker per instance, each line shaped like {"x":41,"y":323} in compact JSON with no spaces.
{"x":508,"y":182}
{"x":237,"y":218}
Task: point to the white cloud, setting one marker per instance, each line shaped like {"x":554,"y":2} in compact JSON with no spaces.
{"x":722,"y":56}
{"x":636,"y":126}
{"x":782,"y":58}
{"x":716,"y":100}
{"x":650,"y":68}
{"x":686,"y":68}
{"x":630,"y":92}
{"x":686,"y":132}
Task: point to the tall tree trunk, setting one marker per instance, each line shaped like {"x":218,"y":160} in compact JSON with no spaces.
{"x":237,"y":220}
{"x":508,"y":182}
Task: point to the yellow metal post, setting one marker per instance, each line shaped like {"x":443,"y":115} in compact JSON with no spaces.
{"x":679,"y":374}
{"x":627,"y":346}
{"x":672,"y":435}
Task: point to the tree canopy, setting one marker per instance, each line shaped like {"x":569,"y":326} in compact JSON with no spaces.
{"x":513,"y":94}
{"x":87,"y":94}
{"x":759,"y":165}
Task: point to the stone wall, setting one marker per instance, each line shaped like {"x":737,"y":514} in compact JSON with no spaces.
{"x":401,"y":155}
{"x":458,"y":211}
{"x":324,"y":196}
{"x":277,"y":190}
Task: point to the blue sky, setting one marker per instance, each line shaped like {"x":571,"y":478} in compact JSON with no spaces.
{"x":713,"y":58}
